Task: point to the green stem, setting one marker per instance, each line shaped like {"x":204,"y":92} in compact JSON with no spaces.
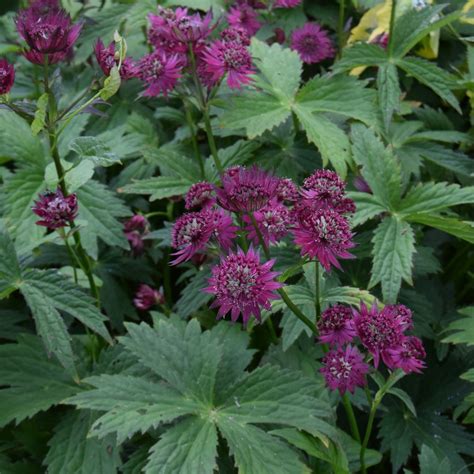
{"x":271,"y":329}
{"x":368,"y":432}
{"x":317,"y":299}
{"x":351,"y":417}
{"x":53,"y":144}
{"x":194,"y":141}
{"x":205,"y":112}
{"x":284,"y":296}
{"x":340,"y":25}
{"x":392,"y":25}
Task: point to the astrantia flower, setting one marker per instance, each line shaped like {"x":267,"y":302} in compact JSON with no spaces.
{"x":287,"y":190}
{"x":237,"y":34}
{"x":47,"y":33}
{"x":223,"y":229}
{"x":344,"y":369}
{"x":7,"y":76}
{"x":286,"y":3}
{"x":55,"y":209}
{"x":243,"y":285}
{"x":379,"y":331}
{"x":312,"y":43}
{"x":200,"y":195}
{"x":273,"y":221}
{"x":39,"y":58}
{"x":147,"y":297}
{"x":160,"y":72}
{"x":107,"y":58}
{"x":409,"y":355}
{"x":135,"y":229}
{"x":336,"y":325}
{"x":229,"y":58}
{"x":401,"y":314}
{"x":245,"y":17}
{"x":325,"y":235}
{"x":246,"y":190}
{"x":324,"y":189}
{"x":190,"y":234}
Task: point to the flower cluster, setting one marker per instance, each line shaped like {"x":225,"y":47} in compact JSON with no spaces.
{"x":382,"y":334}
{"x":135,"y":230}
{"x":146,"y":297}
{"x":55,"y":209}
{"x":312,"y":43}
{"x":107,"y":58}
{"x":7,"y":76}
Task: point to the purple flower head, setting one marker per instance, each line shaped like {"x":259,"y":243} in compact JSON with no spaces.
{"x":147,"y":297}
{"x":243,"y":285}
{"x":312,"y":43}
{"x":45,"y":5}
{"x":7,"y":76}
{"x":135,"y":229}
{"x":173,"y":30}
{"x":237,"y":34}
{"x":273,"y":220}
{"x":325,"y":189}
{"x":223,"y":229}
{"x":287,"y":190}
{"x":246,"y":190}
{"x":244,"y":16}
{"x":55,"y":209}
{"x":39,"y":58}
{"x":401,"y":314}
{"x":107,"y":58}
{"x":279,"y":36}
{"x":409,"y":355}
{"x":160,"y":72}
{"x":47,"y":32}
{"x":323,"y":234}
{"x":190,"y":234}
{"x":200,"y":195}
{"x":379,"y":331}
{"x":227,"y":57}
{"x":286,"y":3}
{"x":361,"y":185}
{"x":344,"y":369}
{"x":381,"y":40}
{"x":336,"y":326}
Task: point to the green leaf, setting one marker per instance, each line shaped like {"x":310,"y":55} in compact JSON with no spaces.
{"x":98,"y":208}
{"x":40,"y":114}
{"x":193,"y":297}
{"x":72,"y":451}
{"x":32,"y":382}
{"x":389,"y":93}
{"x":430,"y":463}
{"x":187,"y":448}
{"x":10,"y":273}
{"x":93,"y":149}
{"x":437,"y":79}
{"x":111,"y":84}
{"x":464,"y":328}
{"x":256,"y":452}
{"x":361,"y":54}
{"x":415,"y":24}
{"x":132,"y":404}
{"x":331,"y":141}
{"x":17,"y":141}
{"x":159,"y":187}
{"x":394,"y":246}
{"x":432,"y":197}
{"x":461,"y":229}
{"x":404,"y":397}
{"x":367,"y":207}
{"x":379,"y":167}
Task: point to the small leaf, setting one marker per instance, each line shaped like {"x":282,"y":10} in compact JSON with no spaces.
{"x":94,"y":149}
{"x":111,"y":84}
{"x":159,"y":187}
{"x":389,"y":92}
{"x":40,"y":115}
{"x":404,"y":397}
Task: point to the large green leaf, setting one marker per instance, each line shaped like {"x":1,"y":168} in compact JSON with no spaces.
{"x":461,"y":229}
{"x":187,"y":448}
{"x":70,"y":450}
{"x":462,"y":329}
{"x":361,"y":54}
{"x":367,"y":207}
{"x":430,"y":463}
{"x":379,"y":167}
{"x":389,"y":92}
{"x":392,"y":256}
{"x":31,"y":381}
{"x":159,"y":187}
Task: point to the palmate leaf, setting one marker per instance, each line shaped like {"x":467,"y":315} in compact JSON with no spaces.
{"x":392,"y":256}
{"x":31,"y":381}
{"x":71,"y":451}
{"x":361,"y":54}
{"x":462,"y":330}
{"x":159,"y":187}
{"x":367,"y":207}
{"x":430,"y":463}
{"x":461,"y":229}
{"x":189,"y":362}
{"x":389,"y":93}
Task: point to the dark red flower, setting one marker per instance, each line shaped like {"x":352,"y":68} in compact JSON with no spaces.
{"x":107,"y":58}
{"x":7,"y":76}
{"x":147,"y":297}
{"x":55,"y":209}
{"x":135,"y":229}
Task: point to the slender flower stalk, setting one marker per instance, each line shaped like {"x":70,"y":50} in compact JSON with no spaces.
{"x":192,"y":129}
{"x":392,"y":26}
{"x":340,"y":25}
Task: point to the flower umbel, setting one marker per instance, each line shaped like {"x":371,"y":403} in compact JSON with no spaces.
{"x":312,"y":43}
{"x":244,"y":16}
{"x":147,"y":297}
{"x":409,"y":355}
{"x":135,"y":229}
{"x":55,"y":209}
{"x":200,"y":195}
{"x":7,"y":76}
{"x":160,"y":72}
{"x":243,"y":285}
{"x":336,"y":326}
{"x":344,"y":369}
{"x":107,"y":58}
